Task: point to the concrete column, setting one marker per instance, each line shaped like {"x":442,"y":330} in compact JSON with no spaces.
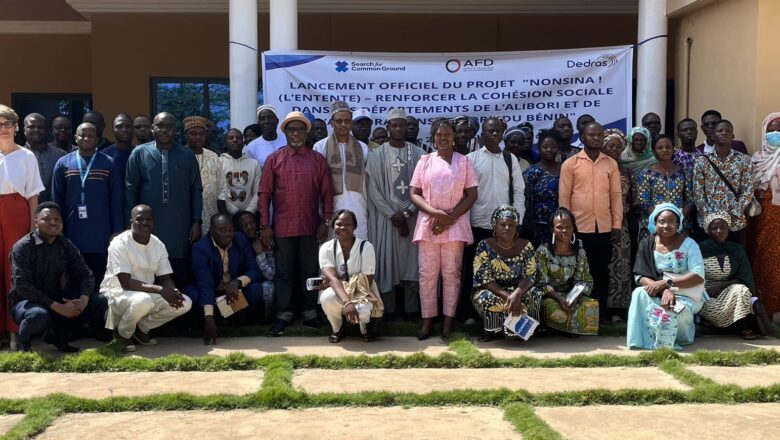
{"x":242,"y":18}
{"x":651,"y":60}
{"x":284,"y":24}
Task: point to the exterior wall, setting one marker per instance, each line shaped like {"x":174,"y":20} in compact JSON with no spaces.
{"x":723,"y":73}
{"x":125,"y":50}
{"x":767,"y":65}
{"x":128,"y":49}
{"x":45,"y":64}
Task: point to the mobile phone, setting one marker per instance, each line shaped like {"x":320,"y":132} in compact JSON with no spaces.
{"x":313,"y":283}
{"x":678,"y":307}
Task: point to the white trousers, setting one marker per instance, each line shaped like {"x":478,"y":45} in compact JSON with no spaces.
{"x":144,"y":310}
{"x":335,"y":312}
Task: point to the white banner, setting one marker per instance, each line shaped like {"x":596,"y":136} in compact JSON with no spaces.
{"x":537,"y":87}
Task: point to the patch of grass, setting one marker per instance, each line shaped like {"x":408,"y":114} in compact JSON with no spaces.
{"x":39,"y":414}
{"x":688,"y":377}
{"x":465,"y":355}
{"x":277,"y":393}
{"x":526,"y":421}
{"x":733,"y":359}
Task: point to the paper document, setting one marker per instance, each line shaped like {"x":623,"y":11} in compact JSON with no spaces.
{"x":523,"y":325}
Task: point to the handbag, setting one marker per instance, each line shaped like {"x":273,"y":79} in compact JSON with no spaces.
{"x":754,"y":209}
{"x":694,"y":292}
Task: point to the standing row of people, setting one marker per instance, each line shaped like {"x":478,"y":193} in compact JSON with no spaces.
{"x":404,"y":201}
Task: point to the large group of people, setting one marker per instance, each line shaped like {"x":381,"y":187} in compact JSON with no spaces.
{"x":365,"y":224}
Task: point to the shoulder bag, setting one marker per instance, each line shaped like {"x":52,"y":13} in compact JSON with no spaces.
{"x":754,"y":209}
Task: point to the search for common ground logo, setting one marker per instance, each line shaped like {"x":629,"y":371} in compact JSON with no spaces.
{"x":341,"y":66}
{"x":606,"y":60}
{"x":455,"y":65}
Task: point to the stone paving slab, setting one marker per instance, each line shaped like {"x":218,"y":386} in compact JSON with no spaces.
{"x":9,"y":421}
{"x":561,"y":347}
{"x":744,"y":421}
{"x":534,"y":380}
{"x":103,"y":385}
{"x":262,"y":346}
{"x":746,"y":377}
{"x":321,"y":423}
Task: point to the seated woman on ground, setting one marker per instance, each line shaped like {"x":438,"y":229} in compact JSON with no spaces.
{"x":504,"y":270}
{"x":728,"y":281}
{"x":561,"y":265}
{"x":348,"y":290}
{"x":670,"y":273}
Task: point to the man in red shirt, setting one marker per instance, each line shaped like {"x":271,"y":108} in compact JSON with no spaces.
{"x":297,"y":181}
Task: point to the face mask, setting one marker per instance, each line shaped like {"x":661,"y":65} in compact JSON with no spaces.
{"x":773,"y":138}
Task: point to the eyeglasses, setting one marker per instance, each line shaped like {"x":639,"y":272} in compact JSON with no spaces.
{"x":7,"y":124}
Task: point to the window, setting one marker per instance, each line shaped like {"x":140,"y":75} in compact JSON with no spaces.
{"x":50,"y":105}
{"x":182,"y":97}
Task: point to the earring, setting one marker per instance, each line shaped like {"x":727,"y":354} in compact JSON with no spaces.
{"x":553,"y":239}
{"x":494,"y":233}
{"x":573,"y":238}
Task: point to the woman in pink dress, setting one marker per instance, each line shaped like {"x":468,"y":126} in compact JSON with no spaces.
{"x":444,"y":187}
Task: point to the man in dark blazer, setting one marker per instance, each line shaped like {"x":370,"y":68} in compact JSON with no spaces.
{"x":224,"y":264}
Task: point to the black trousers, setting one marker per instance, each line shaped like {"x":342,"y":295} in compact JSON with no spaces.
{"x":34,"y":319}
{"x":465,"y":307}
{"x":97,"y":264}
{"x":182,"y":272}
{"x":598,"y":248}
{"x":295,"y":253}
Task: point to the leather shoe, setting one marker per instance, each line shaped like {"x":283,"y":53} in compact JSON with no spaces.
{"x":278,"y":328}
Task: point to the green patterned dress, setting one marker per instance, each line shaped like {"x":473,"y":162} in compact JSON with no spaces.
{"x":559,"y":274}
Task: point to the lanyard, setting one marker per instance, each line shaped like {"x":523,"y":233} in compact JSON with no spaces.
{"x":83,"y":175}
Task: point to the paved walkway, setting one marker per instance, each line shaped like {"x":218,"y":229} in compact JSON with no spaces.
{"x":747,"y":420}
{"x":542,"y":348}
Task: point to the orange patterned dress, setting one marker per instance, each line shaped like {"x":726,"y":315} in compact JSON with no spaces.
{"x":764,"y":252}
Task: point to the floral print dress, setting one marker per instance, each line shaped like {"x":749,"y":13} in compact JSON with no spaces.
{"x":653,"y":188}
{"x":507,"y":272}
{"x":650,"y":326}
{"x":559,"y":274}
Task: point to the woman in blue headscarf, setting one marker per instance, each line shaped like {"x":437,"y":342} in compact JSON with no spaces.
{"x":670,"y":273}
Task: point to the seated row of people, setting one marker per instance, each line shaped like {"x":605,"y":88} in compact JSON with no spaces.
{"x":53,"y":293}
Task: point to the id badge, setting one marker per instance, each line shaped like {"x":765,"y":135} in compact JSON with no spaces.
{"x":82,"y":209}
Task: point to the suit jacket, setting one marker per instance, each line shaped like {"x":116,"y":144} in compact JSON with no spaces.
{"x":207,"y":265}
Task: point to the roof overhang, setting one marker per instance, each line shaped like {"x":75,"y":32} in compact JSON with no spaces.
{"x":22,"y":27}
{"x":87,"y":7}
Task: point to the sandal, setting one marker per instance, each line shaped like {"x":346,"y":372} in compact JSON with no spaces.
{"x":748,"y":335}
{"x":369,"y":337}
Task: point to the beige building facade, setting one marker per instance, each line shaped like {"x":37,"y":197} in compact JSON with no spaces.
{"x":719,"y":52}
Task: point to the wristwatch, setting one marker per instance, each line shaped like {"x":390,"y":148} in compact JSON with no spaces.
{"x":669,"y":283}
{"x":407,"y":214}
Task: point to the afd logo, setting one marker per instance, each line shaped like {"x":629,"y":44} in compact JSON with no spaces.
{"x":482,"y":64}
{"x":606,"y":60}
{"x":341,"y":66}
